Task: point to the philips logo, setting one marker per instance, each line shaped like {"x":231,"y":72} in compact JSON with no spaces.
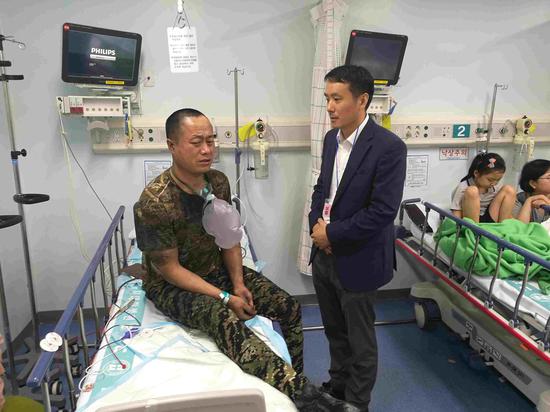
{"x":104,"y":52}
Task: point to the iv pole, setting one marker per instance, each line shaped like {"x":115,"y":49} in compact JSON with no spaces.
{"x":21,"y":199}
{"x":490,"y":125}
{"x":7,"y":221}
{"x":238,"y":151}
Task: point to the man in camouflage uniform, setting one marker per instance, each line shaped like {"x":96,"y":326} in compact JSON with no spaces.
{"x":187,"y":273}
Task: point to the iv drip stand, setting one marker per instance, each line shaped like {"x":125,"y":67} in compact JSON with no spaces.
{"x":490,"y":124}
{"x":238,"y":151}
{"x":21,"y":199}
{"x":7,"y":221}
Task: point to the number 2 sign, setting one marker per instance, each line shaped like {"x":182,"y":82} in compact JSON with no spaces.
{"x":461,"y":130}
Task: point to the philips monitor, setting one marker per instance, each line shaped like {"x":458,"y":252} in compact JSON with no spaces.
{"x":92,"y":55}
{"x":380,"y":53}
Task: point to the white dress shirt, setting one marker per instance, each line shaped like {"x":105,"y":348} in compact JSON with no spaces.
{"x":345,"y":146}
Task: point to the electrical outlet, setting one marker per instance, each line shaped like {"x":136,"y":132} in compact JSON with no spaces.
{"x":140,"y":132}
{"x":154,"y":135}
{"x":148,"y":78}
{"x":59,"y":103}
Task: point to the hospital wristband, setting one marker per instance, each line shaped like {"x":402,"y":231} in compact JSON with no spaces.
{"x":224,"y":296}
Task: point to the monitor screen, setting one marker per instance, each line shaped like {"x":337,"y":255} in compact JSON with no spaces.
{"x":93,"y":55}
{"x":380,"y":53}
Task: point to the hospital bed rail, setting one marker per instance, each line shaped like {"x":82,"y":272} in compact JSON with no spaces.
{"x":542,"y":347}
{"x":39,"y":375}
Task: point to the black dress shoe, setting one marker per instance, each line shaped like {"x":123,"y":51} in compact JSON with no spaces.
{"x":311,"y":399}
{"x":335,"y":405}
{"x":306,"y":398}
{"x":337,"y":392}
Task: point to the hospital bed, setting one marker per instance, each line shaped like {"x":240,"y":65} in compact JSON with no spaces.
{"x":144,"y":360}
{"x":507,"y":321}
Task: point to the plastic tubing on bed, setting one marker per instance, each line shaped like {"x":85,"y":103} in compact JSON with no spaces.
{"x":44,"y":362}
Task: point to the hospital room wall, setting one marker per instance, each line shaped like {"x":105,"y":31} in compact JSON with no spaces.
{"x":254,"y":35}
{"x":451,"y":75}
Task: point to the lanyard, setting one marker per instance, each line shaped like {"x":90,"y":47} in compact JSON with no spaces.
{"x":337,"y":148}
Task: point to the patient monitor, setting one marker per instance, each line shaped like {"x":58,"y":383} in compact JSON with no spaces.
{"x":382,"y":55}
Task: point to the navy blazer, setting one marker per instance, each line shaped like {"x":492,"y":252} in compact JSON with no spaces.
{"x":366,"y":203}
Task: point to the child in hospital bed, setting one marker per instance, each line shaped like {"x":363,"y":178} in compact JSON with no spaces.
{"x":480,"y":194}
{"x":535,"y":183}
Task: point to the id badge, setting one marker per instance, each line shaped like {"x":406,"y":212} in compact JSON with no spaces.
{"x":326,"y":210}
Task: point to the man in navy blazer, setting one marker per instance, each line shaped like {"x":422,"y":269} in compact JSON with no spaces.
{"x":353,"y":207}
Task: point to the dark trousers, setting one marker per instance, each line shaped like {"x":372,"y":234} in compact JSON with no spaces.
{"x":348,"y":318}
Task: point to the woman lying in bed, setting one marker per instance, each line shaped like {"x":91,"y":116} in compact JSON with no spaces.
{"x":535,"y":183}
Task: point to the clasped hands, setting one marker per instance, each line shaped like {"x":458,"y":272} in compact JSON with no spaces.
{"x":242,"y":302}
{"x":320,"y":238}
{"x":539,"y":200}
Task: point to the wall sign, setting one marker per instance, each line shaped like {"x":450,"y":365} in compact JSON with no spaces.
{"x":453,"y":153}
{"x":461,"y":130}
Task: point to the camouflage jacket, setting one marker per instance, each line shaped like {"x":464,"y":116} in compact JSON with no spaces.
{"x":166,"y":217}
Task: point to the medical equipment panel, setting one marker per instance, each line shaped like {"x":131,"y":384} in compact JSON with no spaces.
{"x":91,"y":106}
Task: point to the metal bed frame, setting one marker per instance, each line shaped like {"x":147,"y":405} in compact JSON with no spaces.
{"x":473,"y":321}
{"x":39,"y":376}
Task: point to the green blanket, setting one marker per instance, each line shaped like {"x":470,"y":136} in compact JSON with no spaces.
{"x":531,"y":236}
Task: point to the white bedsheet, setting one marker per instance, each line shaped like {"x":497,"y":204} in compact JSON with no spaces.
{"x":187,"y":362}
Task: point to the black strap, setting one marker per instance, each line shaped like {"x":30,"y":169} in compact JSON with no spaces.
{"x":30,"y":198}
{"x":9,"y":220}
{"x":6,"y":77}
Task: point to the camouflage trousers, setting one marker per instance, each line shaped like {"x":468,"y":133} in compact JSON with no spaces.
{"x":230,"y":333}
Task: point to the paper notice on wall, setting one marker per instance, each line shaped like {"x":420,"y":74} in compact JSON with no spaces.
{"x":417,"y":171}
{"x":153,"y":168}
{"x":182,"y":49}
{"x":453,"y":153}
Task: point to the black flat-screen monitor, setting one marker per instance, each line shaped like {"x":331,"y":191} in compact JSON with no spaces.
{"x":380,"y":53}
{"x":92,"y":55}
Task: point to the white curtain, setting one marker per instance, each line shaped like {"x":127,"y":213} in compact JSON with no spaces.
{"x":327,"y":22}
